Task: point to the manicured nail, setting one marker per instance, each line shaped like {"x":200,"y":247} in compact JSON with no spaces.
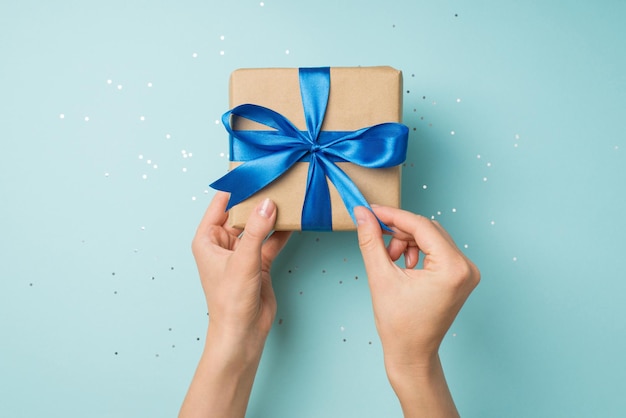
{"x":408,"y":258}
{"x":358,"y":214}
{"x":267,"y":208}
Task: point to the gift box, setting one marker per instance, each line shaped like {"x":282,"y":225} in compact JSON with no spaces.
{"x":317,"y":141}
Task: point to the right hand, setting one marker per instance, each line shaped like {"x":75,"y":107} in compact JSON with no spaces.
{"x":413,"y":308}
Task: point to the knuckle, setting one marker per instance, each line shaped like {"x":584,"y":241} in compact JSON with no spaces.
{"x":254,"y":231}
{"x":195,"y":245}
{"x":257,"y":227}
{"x":476,"y":276}
{"x":420,"y":221}
{"x":463,"y":272}
{"x":366,"y":241}
{"x":200,"y":241}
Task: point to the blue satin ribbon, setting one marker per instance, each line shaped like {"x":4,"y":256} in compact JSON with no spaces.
{"x":269,"y":154}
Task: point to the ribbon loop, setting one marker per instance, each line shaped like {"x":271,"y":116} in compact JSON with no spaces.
{"x":268,"y":154}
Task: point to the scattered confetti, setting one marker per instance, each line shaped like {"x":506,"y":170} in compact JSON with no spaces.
{"x":166,"y":157}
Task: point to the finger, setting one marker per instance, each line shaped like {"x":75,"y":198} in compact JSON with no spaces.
{"x":371,"y":244}
{"x":428,"y":236}
{"x":444,"y":233}
{"x":396,"y":248}
{"x":411,"y":257}
{"x":235,"y":232}
{"x":209,"y":230}
{"x":215,"y":214}
{"x":274,"y":244}
{"x":258,"y":226}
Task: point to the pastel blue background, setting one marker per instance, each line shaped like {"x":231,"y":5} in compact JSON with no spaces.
{"x":517,"y":147}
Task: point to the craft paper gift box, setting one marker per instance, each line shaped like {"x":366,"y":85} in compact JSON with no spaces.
{"x":353,"y":98}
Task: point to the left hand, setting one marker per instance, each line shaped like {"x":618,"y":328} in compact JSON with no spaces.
{"x":234,"y":268}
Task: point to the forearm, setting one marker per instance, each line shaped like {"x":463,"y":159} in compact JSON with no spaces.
{"x":422,"y":389}
{"x":223,"y":379}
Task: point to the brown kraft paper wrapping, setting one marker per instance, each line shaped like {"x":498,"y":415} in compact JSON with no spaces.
{"x":359,"y":97}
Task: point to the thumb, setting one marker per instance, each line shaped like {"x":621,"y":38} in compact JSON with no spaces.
{"x":258,"y":226}
{"x":371,"y":242}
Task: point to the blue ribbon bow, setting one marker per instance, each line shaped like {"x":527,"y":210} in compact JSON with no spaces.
{"x":269,"y":154}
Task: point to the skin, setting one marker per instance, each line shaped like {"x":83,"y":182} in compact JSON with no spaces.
{"x":413,"y":308}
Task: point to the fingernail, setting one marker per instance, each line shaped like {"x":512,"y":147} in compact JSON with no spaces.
{"x":408,"y":258}
{"x":267,"y":208}
{"x":358,"y":214}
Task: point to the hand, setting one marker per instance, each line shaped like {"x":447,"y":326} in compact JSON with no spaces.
{"x":234,"y":268}
{"x":414,"y":308}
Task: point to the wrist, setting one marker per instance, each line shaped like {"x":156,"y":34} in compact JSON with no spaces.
{"x":421,"y":368}
{"x":421,"y":387}
{"x":234,"y":347}
{"x":401,"y":356}
{"x":225,"y":374}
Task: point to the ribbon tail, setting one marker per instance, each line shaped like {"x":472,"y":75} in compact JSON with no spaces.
{"x":316,"y":210}
{"x":252,"y":176}
{"x":350,"y":194}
